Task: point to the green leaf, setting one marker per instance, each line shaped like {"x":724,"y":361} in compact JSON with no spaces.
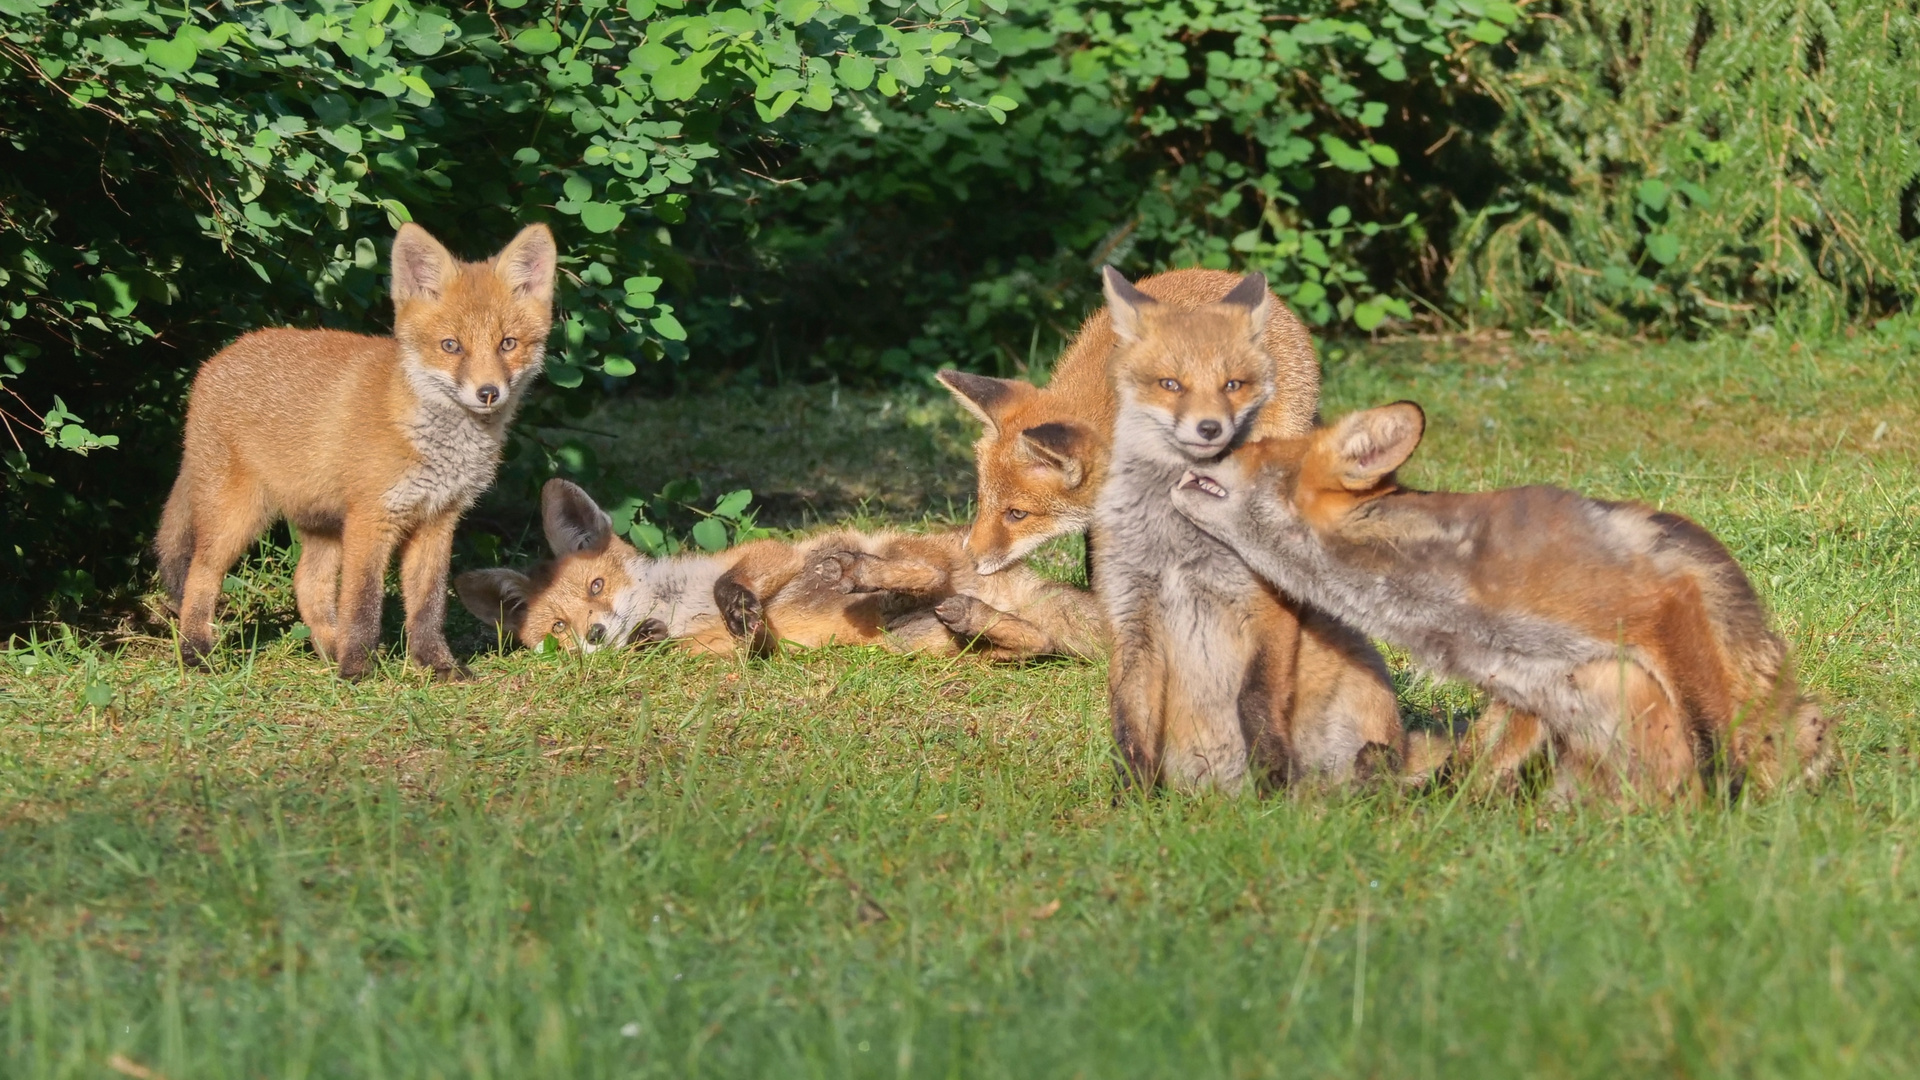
{"x":1339,"y":216}
{"x":1002,"y":102}
{"x":617,"y":366}
{"x":681,"y":80}
{"x":668,"y":327}
{"x":537,"y":40}
{"x":711,"y":534}
{"x":602,"y":217}
{"x":98,"y":694}
{"x":1663,"y":248}
{"x":565,"y":376}
{"x":1652,"y":194}
{"x":856,"y":72}
{"x":1369,"y":314}
{"x":1487,"y":32}
{"x":344,"y":139}
{"x":732,"y":503}
{"x":1344,"y":155}
{"x":1385,"y":155}
{"x":175,"y":55}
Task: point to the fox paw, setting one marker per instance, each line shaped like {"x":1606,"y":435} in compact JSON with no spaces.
{"x":965,"y":615}
{"x":653,"y":631}
{"x":739,"y":608}
{"x":847,"y":571}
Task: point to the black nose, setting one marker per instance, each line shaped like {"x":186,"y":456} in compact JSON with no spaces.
{"x":488,"y":394}
{"x":596,"y":635}
{"x":1208,"y":429}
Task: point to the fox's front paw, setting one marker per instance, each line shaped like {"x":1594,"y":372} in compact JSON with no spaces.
{"x":653,"y":631}
{"x":196,"y":655}
{"x":740,"y":609}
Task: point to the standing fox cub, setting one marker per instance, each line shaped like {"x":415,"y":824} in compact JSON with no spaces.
{"x":366,"y":444}
{"x":909,"y":593}
{"x":1626,"y":638}
{"x":1207,"y":679}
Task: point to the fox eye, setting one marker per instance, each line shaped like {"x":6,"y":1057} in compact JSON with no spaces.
{"x":598,"y":584}
{"x":559,"y":626}
{"x":449,"y":345}
{"x":1171,"y":385}
{"x":1233,"y":384}
{"x":1016,"y":515}
{"x":508,"y":344}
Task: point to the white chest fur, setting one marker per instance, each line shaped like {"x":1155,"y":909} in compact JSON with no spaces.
{"x":458,"y":455}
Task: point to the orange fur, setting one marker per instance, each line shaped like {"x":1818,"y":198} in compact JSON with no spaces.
{"x":369,"y":445}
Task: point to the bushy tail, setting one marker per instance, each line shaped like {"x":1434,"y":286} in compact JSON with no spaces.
{"x":174,"y":543}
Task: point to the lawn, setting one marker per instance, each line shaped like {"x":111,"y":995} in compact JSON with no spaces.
{"x":849,"y":863}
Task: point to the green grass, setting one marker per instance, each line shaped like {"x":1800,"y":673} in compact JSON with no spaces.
{"x":849,"y":863}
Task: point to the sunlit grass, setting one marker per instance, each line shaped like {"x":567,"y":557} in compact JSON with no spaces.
{"x":846,"y":862}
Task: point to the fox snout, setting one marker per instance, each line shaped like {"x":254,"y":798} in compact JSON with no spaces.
{"x":1206,"y":435}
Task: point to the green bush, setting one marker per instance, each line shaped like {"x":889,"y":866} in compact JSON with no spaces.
{"x":1699,"y":164}
{"x":170,"y":177}
{"x":1283,"y":137}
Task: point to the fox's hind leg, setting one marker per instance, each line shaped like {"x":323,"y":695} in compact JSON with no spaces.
{"x":316,"y":586}
{"x":1634,"y":732}
{"x":228,"y":513}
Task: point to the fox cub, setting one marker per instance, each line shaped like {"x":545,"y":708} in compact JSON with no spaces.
{"x":908,"y":593}
{"x":1626,"y":639}
{"x":1205,"y":680}
{"x":366,"y":444}
{"x":1043,"y":451}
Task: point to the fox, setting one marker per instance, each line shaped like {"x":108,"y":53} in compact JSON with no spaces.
{"x":904,"y":592}
{"x":367,"y":445}
{"x":1043,"y":452}
{"x":1205,"y":680}
{"x":1622,"y":641}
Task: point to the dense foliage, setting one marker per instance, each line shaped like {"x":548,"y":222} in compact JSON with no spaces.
{"x":1693,"y":164}
{"x":869,"y":189}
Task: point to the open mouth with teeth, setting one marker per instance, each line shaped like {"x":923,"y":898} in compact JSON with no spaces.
{"x":1207,"y":484}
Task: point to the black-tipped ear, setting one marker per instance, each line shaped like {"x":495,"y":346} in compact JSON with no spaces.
{"x":1370,"y":445}
{"x":987,"y":398}
{"x":1123,"y":303}
{"x":497,"y":597}
{"x":527,"y":264}
{"x":1060,"y":446}
{"x":572,"y":520}
{"x":422,"y":266}
{"x":1252,"y":294}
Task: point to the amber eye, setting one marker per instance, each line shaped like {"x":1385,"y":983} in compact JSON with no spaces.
{"x":449,"y":345}
{"x":1234,"y":384}
{"x":508,"y":344}
{"x":1016,"y":515}
{"x":1170,"y":385}
{"x":598,"y":584}
{"x":559,"y":626}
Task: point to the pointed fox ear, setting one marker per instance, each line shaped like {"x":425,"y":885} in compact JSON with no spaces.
{"x":1123,"y":303}
{"x":1368,"y":446}
{"x":422,"y":266}
{"x":572,"y":520}
{"x":1252,"y":294}
{"x":1060,"y":446}
{"x":527,"y":264}
{"x":987,"y":398}
{"x":496,"y":596}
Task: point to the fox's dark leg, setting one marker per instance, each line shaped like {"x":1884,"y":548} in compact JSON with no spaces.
{"x":423,"y":584}
{"x":1497,"y":747}
{"x":1007,"y":636}
{"x":228,"y":513}
{"x":759,"y":571}
{"x":908,"y":575}
{"x":366,"y":544}
{"x":316,"y":587}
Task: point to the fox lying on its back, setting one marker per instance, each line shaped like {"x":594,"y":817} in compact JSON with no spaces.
{"x":909,"y":593}
{"x":1627,"y":637}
